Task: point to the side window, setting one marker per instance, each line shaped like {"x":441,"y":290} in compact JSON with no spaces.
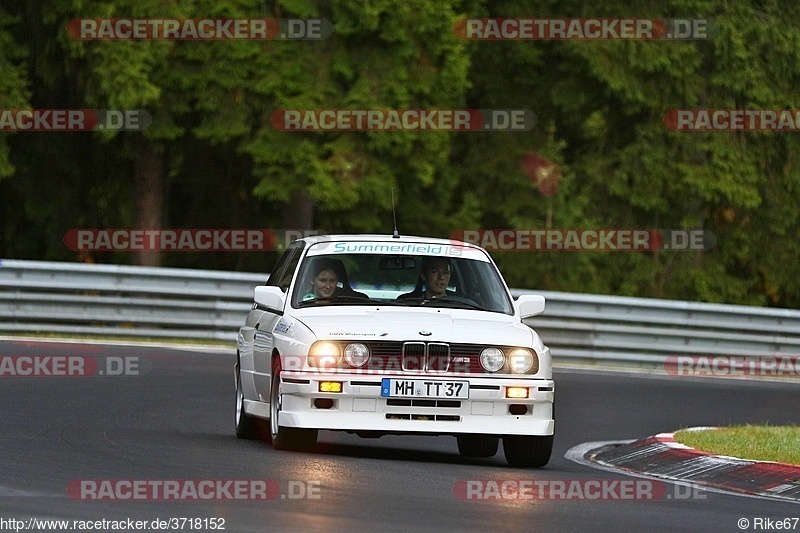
{"x":286,"y":280}
{"x":284,"y":269}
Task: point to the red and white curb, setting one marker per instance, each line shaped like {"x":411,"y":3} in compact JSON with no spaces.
{"x":662,"y":457}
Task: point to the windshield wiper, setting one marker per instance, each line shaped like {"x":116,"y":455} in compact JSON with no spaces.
{"x":459,"y":302}
{"x":445,"y":300}
{"x":343,"y":298}
{"x":411,"y":300}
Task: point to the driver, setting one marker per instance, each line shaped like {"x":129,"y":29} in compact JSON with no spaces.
{"x":434,"y":277}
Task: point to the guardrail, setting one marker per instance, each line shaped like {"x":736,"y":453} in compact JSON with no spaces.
{"x":88,"y":299}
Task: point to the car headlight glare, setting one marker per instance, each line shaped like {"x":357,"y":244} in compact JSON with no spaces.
{"x":492,"y":359}
{"x":356,"y":354}
{"x":520,"y":361}
{"x":325,"y":354}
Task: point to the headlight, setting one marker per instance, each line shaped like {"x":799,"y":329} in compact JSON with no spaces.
{"x":520,"y":361}
{"x":356,"y":354}
{"x":324,"y":354}
{"x":492,"y":359}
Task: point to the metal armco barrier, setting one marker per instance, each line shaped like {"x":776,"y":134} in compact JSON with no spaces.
{"x":88,"y":299}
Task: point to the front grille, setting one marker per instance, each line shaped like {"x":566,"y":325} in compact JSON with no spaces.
{"x":467,"y":357}
{"x":419,"y":416}
{"x":397,"y":402}
{"x":438,"y":357}
{"x":385,"y":349}
{"x":414,"y":356}
{"x":420,"y":357}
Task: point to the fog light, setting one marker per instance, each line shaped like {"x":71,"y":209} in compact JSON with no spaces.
{"x":518,"y":409}
{"x":516,"y":392}
{"x":323,"y":403}
{"x":330,"y":386}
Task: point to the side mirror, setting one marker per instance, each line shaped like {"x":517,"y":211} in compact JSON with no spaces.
{"x":530,"y":305}
{"x":270,"y":297}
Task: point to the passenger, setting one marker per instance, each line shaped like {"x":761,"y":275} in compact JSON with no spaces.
{"x":324,"y":282}
{"x":329,"y":280}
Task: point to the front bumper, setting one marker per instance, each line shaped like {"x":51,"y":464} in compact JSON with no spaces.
{"x":360,"y":406}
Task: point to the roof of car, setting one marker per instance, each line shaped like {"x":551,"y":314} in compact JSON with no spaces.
{"x":383,"y":238}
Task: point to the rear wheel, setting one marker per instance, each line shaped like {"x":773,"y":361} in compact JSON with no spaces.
{"x":478,"y":445}
{"x":284,"y":438}
{"x":526,"y":451}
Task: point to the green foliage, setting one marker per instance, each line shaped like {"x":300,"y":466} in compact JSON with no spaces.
{"x":384,"y":55}
{"x":623,"y":168}
{"x":600,"y":107}
{"x":14,"y":93}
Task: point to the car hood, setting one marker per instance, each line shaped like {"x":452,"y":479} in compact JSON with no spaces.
{"x":428,"y":324}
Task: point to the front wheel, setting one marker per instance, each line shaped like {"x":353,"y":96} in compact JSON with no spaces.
{"x":478,"y":445}
{"x":527,"y":452}
{"x":284,"y":438}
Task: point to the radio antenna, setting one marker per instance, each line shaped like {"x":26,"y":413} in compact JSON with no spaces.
{"x":396,"y":234}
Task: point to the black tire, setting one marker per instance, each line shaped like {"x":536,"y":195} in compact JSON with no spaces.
{"x":478,"y":445}
{"x":283,"y":438}
{"x":246,"y":426}
{"x":527,"y":452}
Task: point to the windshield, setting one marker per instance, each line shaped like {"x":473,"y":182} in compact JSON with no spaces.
{"x":400,"y":280}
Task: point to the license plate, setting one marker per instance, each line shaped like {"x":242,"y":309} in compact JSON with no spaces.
{"x":424,"y":388}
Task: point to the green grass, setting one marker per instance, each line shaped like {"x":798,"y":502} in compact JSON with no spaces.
{"x":762,"y":443}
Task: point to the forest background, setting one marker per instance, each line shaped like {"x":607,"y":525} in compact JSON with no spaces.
{"x":211,"y":158}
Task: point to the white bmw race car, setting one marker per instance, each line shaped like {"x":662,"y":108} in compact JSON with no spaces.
{"x":376,"y":335}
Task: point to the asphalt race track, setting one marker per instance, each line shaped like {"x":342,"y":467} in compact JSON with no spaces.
{"x":174,"y":421}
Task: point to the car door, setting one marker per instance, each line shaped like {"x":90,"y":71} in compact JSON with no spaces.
{"x":256,"y":339}
{"x":264,"y":335}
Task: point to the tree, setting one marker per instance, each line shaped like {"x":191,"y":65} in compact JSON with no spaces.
{"x":623,"y":168}
{"x":384,"y":55}
{"x":14,"y":94}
